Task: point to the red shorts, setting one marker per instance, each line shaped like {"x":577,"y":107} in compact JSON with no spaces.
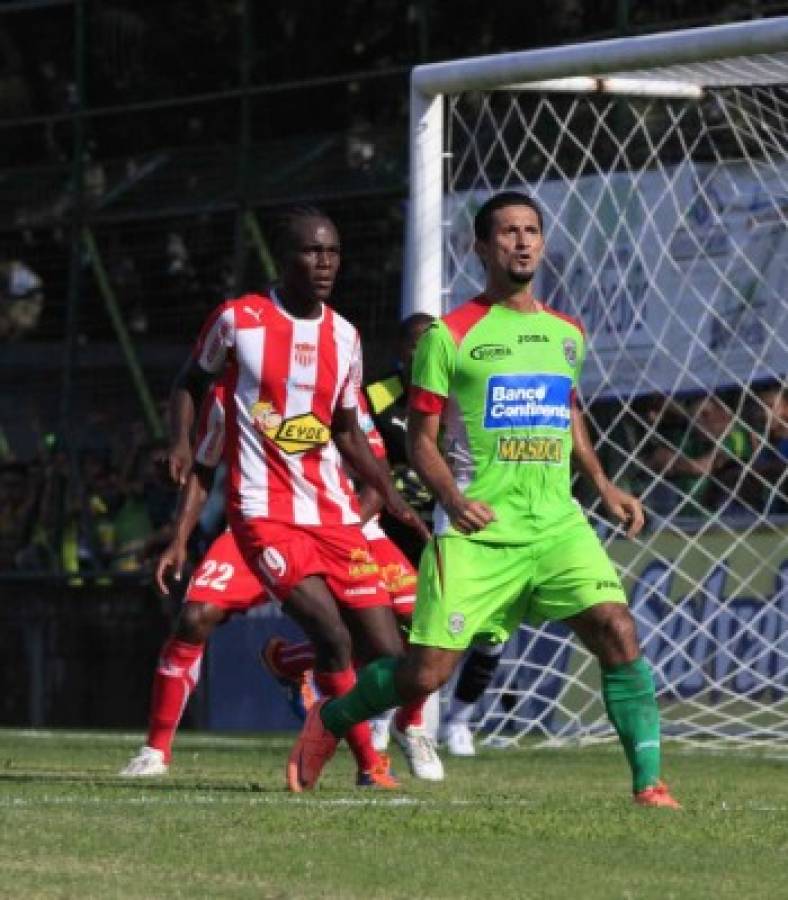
{"x":285,"y":555}
{"x":224,"y":579}
{"x":396,"y":574}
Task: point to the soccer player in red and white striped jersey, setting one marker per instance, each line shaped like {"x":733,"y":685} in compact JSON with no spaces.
{"x":293,"y":369}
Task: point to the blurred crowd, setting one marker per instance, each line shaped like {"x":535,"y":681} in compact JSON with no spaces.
{"x":101,"y":510}
{"x":720,"y":454}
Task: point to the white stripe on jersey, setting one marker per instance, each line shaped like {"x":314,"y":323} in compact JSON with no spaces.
{"x":300,"y":392}
{"x":252,"y":469}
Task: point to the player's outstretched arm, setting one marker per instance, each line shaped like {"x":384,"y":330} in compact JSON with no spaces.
{"x":354,"y":447}
{"x":190,"y":505}
{"x":621,"y":505}
{"x":466,"y":515}
{"x":187,"y":394}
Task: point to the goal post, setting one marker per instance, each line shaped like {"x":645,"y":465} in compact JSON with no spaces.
{"x":661,"y":163}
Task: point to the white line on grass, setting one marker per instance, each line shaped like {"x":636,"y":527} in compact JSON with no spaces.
{"x":188,"y":740}
{"x":223,"y":800}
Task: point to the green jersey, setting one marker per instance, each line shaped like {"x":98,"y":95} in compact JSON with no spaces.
{"x":504,"y":382}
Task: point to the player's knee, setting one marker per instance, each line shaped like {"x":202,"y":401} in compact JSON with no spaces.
{"x":425,"y":678}
{"x":332,"y":644}
{"x":617,"y":635}
{"x":196,"y":622}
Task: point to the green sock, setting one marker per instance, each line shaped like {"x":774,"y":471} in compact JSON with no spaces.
{"x":373,"y":694}
{"x":631,"y":704}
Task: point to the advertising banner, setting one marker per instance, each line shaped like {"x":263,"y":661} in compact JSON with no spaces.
{"x":679,"y":275}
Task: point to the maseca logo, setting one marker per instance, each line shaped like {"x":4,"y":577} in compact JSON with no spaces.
{"x":294,"y":435}
{"x":530,"y":449}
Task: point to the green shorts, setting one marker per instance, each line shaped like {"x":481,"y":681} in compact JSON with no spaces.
{"x":468,"y":589}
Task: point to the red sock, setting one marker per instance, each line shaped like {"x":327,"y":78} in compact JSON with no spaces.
{"x":410,"y":714}
{"x":359,"y":738}
{"x":292,"y":660}
{"x":175,"y":678}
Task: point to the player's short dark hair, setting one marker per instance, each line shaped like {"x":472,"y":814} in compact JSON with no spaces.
{"x":482,"y":222}
{"x":285,"y":223}
{"x":409,"y":322}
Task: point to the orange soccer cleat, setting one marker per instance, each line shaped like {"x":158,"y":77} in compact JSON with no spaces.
{"x":656,"y":795}
{"x":299,"y":689}
{"x":380,"y":777}
{"x":313,"y":749}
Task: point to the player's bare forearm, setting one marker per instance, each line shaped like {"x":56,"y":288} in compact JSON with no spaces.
{"x":466,"y":515}
{"x":354,"y":447}
{"x":352,"y":443}
{"x":187,"y":394}
{"x":584,"y":453}
{"x":425,"y":457}
{"x":370,"y":502}
{"x":190,"y":504}
{"x":192,"y":501}
{"x":620,"y":504}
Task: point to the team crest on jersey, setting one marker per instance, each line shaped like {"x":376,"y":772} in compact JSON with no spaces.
{"x":570,"y":351}
{"x":304,"y":353}
{"x":361,"y":563}
{"x":456,"y":623}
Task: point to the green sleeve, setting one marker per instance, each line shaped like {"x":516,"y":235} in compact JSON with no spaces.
{"x":433,"y":364}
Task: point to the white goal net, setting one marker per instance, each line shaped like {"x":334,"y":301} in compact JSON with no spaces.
{"x":665,"y":192}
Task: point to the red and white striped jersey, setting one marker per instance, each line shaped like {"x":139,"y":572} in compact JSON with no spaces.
{"x":209,"y":439}
{"x":282,"y":379}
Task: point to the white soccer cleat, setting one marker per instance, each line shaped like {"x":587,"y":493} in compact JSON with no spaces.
{"x":146,"y":763}
{"x":459,"y":740}
{"x":380,"y":733}
{"x":420,"y":752}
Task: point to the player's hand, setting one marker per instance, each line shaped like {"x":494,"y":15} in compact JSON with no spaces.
{"x":398,"y":508}
{"x":170,"y":565}
{"x":179,"y":462}
{"x":624,"y":507}
{"x":468,"y":516}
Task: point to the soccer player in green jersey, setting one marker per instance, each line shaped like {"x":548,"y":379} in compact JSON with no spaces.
{"x":493,"y":423}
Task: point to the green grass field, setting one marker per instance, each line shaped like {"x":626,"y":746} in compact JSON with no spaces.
{"x":515,"y":823}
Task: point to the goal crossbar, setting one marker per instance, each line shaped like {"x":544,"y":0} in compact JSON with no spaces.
{"x":423,"y":289}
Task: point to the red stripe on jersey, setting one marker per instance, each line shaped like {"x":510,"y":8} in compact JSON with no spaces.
{"x":233,"y":485}
{"x":209,"y":440}
{"x":567,"y":318}
{"x":367,"y":425}
{"x":273,"y":388}
{"x":323,"y":399}
{"x":425,"y":401}
{"x":461,"y":320}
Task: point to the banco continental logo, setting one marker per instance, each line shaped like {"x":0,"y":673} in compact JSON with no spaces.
{"x":530,"y":449}
{"x":488,"y":352}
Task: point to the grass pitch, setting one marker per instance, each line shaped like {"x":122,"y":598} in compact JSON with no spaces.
{"x":514,"y":823}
